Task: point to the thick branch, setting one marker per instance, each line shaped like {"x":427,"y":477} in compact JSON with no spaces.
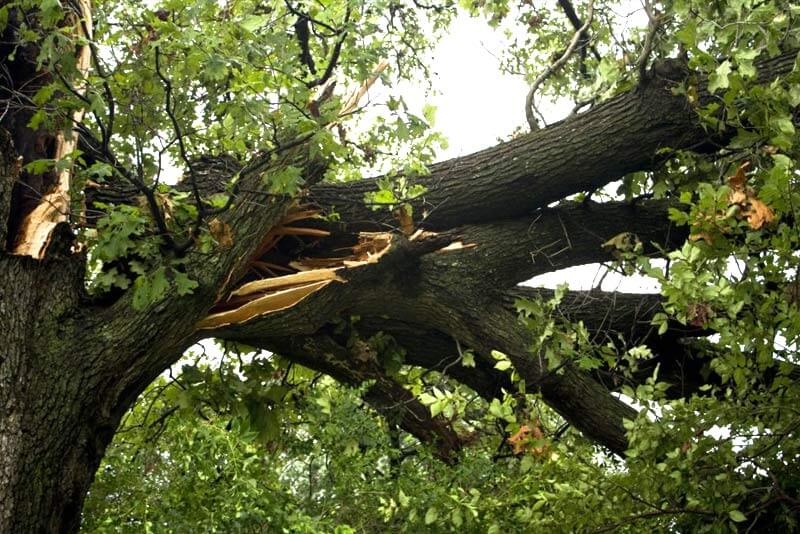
{"x":585,"y":152}
{"x":400,"y":287}
{"x":431,"y":349}
{"x":506,"y":253}
{"x":148,"y":340}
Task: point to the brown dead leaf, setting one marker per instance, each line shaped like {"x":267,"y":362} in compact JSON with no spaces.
{"x":167,"y":205}
{"x":738,"y":180}
{"x":517,"y":441}
{"x":521,"y":441}
{"x":705,"y":236}
{"x":737,"y":196}
{"x":403,"y":215}
{"x":759,"y":214}
{"x":221,"y":232}
{"x":699,"y":314}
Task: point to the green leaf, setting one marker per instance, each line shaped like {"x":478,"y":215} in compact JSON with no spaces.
{"x":719,"y":78}
{"x":255,"y":22}
{"x":40,"y":166}
{"x":183,"y":284}
{"x":216,"y":68}
{"x":431,"y":515}
{"x":783,"y":125}
{"x":502,"y":365}
{"x":737,"y":516}
{"x":287,"y":181}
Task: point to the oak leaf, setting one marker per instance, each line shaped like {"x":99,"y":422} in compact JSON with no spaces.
{"x":521,"y":441}
{"x":738,"y":180}
{"x":759,"y":214}
{"x":221,"y":232}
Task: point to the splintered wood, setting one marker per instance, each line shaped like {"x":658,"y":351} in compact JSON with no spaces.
{"x":36,"y":228}
{"x":269,"y":295}
{"x":271,"y":302}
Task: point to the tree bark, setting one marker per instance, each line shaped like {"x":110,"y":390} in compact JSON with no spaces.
{"x":51,"y":438}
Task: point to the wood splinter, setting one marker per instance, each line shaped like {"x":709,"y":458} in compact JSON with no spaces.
{"x":272,"y":302}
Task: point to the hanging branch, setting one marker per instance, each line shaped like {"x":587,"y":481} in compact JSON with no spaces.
{"x":583,"y":44}
{"x":652,"y":28}
{"x":302,"y":33}
{"x":337,"y":49}
{"x":530,"y":106}
{"x":303,"y":27}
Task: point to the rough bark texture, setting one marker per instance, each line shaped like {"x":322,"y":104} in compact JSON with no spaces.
{"x":50,"y":444}
{"x":70,"y":367}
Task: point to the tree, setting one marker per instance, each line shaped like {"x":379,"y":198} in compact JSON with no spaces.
{"x":273,"y":240}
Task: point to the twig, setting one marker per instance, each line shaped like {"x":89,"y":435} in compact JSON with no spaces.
{"x":647,"y":49}
{"x":337,"y":49}
{"x":569,"y":11}
{"x":646,"y":515}
{"x":179,"y":135}
{"x":529,"y":100}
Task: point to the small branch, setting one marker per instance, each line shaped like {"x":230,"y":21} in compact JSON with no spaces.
{"x":337,"y":49}
{"x":647,"y":48}
{"x":294,"y":11}
{"x":302,"y":33}
{"x":576,"y":38}
{"x":331,"y":64}
{"x":647,"y":515}
{"x":569,"y":11}
{"x":181,"y":145}
{"x":106,"y":155}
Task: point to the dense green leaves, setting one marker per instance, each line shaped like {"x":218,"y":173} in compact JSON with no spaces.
{"x":326,"y":463}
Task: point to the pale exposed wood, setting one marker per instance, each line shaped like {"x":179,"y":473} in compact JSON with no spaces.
{"x":282,"y":292}
{"x":280,"y":282}
{"x":307,"y":264}
{"x":299,"y":230}
{"x":457,"y":245}
{"x":371,"y":246}
{"x":352,"y":102}
{"x":267,"y":304}
{"x":422,"y":234}
{"x":372,"y":243}
{"x":36,"y":229}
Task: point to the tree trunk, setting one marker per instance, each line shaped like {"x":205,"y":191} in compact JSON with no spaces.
{"x":51,"y":438}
